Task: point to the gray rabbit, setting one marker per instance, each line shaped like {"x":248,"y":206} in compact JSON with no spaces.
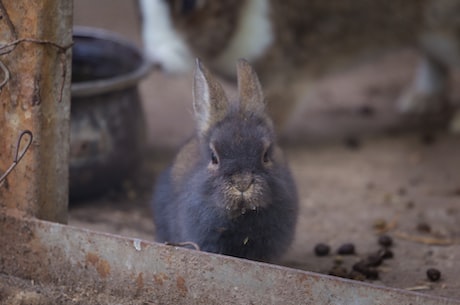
{"x":229,"y":189}
{"x":291,"y":42}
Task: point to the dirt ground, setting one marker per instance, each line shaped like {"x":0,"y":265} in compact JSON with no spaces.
{"x":361,"y":169}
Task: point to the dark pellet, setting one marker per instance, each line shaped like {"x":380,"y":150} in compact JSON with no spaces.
{"x":322,"y":249}
{"x":339,"y":271}
{"x":374,"y":260}
{"x":357,"y":276}
{"x":433,"y":274}
{"x":369,"y":272}
{"x":346,"y":249}
{"x":457,"y":192}
{"x":366,"y":110}
{"x":423,"y":227}
{"x":385,"y":241}
{"x":428,"y":139}
{"x":402,"y":191}
{"x":385,"y":253}
{"x":352,"y":143}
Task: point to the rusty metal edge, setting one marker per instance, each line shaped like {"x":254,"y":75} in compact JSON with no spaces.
{"x":144,"y":271}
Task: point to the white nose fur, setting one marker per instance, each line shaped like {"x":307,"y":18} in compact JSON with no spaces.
{"x":162,"y":43}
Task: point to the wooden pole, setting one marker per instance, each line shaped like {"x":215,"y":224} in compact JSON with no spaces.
{"x":35,"y":62}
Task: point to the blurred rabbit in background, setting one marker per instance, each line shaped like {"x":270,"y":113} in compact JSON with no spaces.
{"x":292,"y":42}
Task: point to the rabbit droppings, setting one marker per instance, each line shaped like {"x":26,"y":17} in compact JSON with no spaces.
{"x":292,"y":42}
{"x":229,"y":189}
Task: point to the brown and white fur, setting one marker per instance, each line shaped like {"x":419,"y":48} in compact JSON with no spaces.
{"x":291,"y":42}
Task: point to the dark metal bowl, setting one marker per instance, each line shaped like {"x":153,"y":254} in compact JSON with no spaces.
{"x":107,"y":124}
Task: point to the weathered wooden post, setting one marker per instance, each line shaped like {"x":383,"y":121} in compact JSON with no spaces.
{"x":35,"y":73}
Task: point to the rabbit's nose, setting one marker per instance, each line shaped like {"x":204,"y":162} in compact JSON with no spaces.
{"x":242,"y":182}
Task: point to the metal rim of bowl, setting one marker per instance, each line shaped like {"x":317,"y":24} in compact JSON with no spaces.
{"x":113,"y":83}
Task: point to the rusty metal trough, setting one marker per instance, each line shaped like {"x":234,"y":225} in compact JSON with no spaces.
{"x":150,"y":273}
{"x":127,"y":271}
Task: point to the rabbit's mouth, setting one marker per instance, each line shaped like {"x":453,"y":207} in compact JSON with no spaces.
{"x":247,"y":201}
{"x":240,"y":206}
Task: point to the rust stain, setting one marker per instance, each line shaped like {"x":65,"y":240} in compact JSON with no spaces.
{"x":160,"y":278}
{"x":92,"y":258}
{"x":302,"y":279}
{"x":181,"y":286}
{"x":103,"y":268}
{"x":140,"y":281}
{"x":101,"y":265}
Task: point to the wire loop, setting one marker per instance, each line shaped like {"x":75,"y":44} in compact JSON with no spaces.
{"x":18,"y":155}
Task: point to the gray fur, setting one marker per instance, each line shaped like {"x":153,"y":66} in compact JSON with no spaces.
{"x":229,"y":189}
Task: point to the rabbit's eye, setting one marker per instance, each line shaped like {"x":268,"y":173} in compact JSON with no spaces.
{"x":214,"y":156}
{"x":267,"y":154}
{"x":266,"y":157}
{"x":214,"y":159}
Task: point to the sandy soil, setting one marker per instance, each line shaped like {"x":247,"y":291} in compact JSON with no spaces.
{"x":361,"y":169}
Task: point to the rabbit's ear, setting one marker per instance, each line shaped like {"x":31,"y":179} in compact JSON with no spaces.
{"x":209,"y":101}
{"x":249,"y":89}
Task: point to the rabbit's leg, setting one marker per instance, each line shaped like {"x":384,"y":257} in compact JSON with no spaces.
{"x":427,"y":94}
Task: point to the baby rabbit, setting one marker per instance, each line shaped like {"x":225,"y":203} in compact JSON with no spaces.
{"x":229,"y":189}
{"x":292,"y":42}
